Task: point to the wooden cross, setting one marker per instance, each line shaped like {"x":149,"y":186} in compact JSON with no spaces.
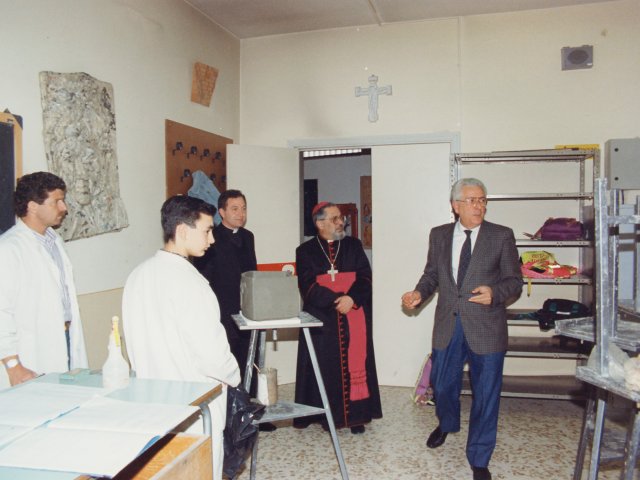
{"x":332,"y":272}
{"x":372,"y":91}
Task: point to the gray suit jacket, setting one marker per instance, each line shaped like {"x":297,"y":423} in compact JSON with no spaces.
{"x":494,"y":262}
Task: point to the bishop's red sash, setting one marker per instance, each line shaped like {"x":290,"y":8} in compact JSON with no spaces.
{"x":357,"y":350}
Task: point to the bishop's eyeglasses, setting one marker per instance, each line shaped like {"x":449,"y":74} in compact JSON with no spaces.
{"x":337,"y":219}
{"x":475,"y":201}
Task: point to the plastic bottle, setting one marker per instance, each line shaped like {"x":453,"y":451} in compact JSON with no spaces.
{"x":115,"y":371}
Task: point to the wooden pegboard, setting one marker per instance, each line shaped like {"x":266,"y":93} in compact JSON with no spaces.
{"x":188,"y":149}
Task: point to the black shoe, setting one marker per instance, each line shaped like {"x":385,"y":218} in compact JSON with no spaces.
{"x":357,"y":429}
{"x":481,"y":473}
{"x":436,"y":438}
{"x":267,"y":427}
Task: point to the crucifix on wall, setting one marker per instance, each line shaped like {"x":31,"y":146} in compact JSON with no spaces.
{"x":372,"y":91}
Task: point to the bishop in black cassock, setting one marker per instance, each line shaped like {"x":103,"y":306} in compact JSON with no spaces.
{"x":334,"y":278}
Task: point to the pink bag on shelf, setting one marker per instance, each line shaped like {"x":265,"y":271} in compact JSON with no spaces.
{"x":541,"y":264}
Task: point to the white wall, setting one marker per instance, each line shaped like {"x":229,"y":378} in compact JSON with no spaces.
{"x":495,"y":79}
{"x":299,"y":86}
{"x":146,"y":49}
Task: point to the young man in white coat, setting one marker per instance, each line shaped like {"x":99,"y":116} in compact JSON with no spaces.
{"x":171,"y":316}
{"x":40,"y":327}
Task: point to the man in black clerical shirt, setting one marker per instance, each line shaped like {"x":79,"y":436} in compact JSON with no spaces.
{"x":232,"y":254}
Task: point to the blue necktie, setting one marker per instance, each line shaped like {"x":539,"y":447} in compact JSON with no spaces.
{"x":465,"y":258}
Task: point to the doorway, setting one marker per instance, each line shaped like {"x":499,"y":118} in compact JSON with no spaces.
{"x":410,"y":184}
{"x":409,"y":196}
{"x":337,"y":177}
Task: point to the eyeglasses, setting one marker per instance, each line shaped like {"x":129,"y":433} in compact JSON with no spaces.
{"x":482,"y":201}
{"x":337,"y":220}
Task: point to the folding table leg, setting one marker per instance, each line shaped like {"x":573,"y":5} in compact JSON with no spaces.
{"x":598,"y":430}
{"x":248,"y":369}
{"x":587,"y":427}
{"x":248,"y":373}
{"x":325,"y":404}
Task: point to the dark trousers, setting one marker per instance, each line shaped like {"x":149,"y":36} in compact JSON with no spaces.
{"x":486,"y":383}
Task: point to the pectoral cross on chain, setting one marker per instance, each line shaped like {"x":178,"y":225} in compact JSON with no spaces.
{"x":332,"y":272}
{"x":372,"y":91}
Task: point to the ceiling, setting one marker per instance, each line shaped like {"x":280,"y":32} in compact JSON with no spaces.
{"x":257,"y":18}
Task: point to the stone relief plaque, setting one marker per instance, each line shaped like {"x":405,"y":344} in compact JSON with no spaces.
{"x":79,"y":129}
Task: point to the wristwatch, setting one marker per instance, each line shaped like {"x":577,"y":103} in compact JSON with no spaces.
{"x":11,"y":363}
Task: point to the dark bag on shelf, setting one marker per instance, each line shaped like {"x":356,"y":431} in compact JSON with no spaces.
{"x":240,"y":432}
{"x":561,"y":229}
{"x":559,"y":309}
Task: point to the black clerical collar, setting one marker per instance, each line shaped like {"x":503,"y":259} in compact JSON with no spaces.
{"x":328,"y":242}
{"x":232,"y":231}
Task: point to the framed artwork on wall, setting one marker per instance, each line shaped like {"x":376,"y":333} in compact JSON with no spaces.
{"x":10,"y":165}
{"x":350,"y":213}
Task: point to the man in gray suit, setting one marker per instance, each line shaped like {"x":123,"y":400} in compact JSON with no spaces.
{"x":473,"y":264}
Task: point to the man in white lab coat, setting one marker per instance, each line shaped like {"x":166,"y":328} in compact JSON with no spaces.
{"x":171,"y":316}
{"x":40,"y":327}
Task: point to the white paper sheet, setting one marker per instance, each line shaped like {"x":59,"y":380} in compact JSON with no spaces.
{"x":108,"y":414}
{"x":280,"y":322}
{"x":101,"y":437}
{"x":83,"y":451}
{"x":9,"y":433}
{"x":32,"y":404}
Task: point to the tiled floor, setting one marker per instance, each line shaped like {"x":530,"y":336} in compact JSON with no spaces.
{"x":537,"y":440}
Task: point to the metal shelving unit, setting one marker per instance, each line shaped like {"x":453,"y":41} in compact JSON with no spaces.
{"x":615,"y":323}
{"x":548,"y":386}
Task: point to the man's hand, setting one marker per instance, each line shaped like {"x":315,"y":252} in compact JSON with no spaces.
{"x":344,"y":304}
{"x":484,"y":295}
{"x":20,"y":374}
{"x":411,"y":300}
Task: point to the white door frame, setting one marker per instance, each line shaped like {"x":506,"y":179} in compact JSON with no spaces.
{"x":453,"y":138}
